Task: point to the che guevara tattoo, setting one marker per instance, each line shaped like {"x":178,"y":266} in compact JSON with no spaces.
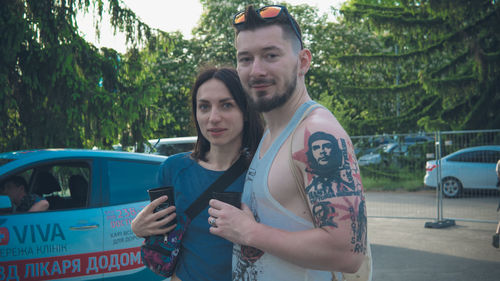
{"x":332,"y":173}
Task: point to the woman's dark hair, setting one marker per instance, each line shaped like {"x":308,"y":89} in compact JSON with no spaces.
{"x":252,"y":127}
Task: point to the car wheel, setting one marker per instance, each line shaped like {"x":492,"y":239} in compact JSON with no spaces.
{"x":452,"y":187}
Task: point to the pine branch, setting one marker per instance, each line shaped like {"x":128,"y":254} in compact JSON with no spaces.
{"x":439,"y":46}
{"x":394,"y":89}
{"x":456,"y":82}
{"x":453,"y":63}
{"x":492,"y":56}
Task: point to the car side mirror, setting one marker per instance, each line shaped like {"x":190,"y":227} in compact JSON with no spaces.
{"x":5,"y":204}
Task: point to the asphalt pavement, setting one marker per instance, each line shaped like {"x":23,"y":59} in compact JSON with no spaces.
{"x":403,"y":249}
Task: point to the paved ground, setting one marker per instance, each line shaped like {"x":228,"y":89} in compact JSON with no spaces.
{"x":423,"y":204}
{"x":403,"y":249}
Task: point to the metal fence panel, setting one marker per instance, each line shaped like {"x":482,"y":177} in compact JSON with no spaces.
{"x":478,"y":198}
{"x":398,"y":162}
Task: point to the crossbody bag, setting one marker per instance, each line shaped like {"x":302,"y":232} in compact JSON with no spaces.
{"x":160,"y":253}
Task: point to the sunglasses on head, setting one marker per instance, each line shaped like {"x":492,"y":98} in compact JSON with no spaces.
{"x":268,"y":12}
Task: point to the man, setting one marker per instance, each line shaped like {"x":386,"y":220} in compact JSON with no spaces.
{"x":15,"y":188}
{"x":274,"y":227}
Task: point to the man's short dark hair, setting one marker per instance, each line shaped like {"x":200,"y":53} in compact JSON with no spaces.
{"x":16,"y":180}
{"x":253,"y":21}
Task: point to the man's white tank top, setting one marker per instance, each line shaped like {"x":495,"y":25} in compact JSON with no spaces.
{"x":251,"y":264}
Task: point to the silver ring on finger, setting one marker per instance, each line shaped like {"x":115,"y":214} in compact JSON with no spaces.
{"x":211,"y":221}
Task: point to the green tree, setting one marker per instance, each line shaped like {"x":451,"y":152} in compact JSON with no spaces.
{"x":327,"y":41}
{"x":444,"y":64}
{"x":329,"y":77}
{"x":214,"y":32}
{"x":57,"y":90}
{"x":173,"y":67}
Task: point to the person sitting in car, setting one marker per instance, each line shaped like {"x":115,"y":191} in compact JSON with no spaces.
{"x":15,"y":188}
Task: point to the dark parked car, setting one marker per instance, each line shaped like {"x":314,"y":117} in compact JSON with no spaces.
{"x":411,"y":140}
{"x":377,"y":156}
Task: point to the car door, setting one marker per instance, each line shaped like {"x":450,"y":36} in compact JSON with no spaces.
{"x":473,"y":170}
{"x":61,"y":243}
{"x":51,"y":245}
{"x":126,"y":182}
{"x":485,"y":169}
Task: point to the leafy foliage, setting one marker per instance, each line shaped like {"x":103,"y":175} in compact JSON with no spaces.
{"x":384,"y":66}
{"x":445,"y":63}
{"x":57,"y":90}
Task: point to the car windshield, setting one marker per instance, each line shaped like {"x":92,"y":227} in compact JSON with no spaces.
{"x":4,"y":161}
{"x":389,"y":147}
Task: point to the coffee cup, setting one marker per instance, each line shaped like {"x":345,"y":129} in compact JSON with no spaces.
{"x":155,"y":193}
{"x":233,"y":198}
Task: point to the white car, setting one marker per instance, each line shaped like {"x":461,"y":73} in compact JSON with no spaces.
{"x":162,"y":146}
{"x":170,"y":146}
{"x":469,"y":168}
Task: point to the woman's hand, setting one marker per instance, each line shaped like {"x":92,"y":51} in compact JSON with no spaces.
{"x":148,"y":223}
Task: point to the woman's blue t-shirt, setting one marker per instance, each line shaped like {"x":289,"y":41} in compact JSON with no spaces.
{"x":204,"y":256}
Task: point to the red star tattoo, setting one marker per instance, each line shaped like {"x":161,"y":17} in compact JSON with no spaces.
{"x":347,"y":207}
{"x":301,"y":154}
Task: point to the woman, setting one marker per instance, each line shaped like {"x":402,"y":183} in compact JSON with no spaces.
{"x":226,"y":128}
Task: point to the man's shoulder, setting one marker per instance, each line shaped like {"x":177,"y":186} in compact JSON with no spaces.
{"x":322,"y":120}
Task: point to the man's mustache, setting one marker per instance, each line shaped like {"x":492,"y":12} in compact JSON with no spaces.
{"x":254,"y":82}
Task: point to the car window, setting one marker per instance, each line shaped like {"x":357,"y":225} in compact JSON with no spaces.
{"x":128,"y":181}
{"x":26,"y":174}
{"x":492,"y":156}
{"x":52,"y":182}
{"x":480,"y":156}
{"x":465,"y":157}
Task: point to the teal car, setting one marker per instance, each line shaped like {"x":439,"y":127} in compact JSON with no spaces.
{"x":85,"y":234}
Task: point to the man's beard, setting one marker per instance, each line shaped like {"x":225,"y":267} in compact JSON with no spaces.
{"x":266,"y":105}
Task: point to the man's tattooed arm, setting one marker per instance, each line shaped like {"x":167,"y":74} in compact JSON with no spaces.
{"x":333,"y":184}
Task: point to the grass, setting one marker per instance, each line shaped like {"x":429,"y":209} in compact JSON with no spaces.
{"x":386,"y":184}
{"x":391,"y":178}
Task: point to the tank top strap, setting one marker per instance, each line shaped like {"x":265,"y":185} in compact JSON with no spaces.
{"x":290,"y":127}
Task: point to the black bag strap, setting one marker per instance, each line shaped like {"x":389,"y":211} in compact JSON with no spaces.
{"x":219,"y":185}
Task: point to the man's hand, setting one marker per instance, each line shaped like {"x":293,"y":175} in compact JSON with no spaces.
{"x":148,"y":223}
{"x":231,"y":223}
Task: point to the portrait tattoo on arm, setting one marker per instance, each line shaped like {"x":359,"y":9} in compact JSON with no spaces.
{"x":332,"y":174}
